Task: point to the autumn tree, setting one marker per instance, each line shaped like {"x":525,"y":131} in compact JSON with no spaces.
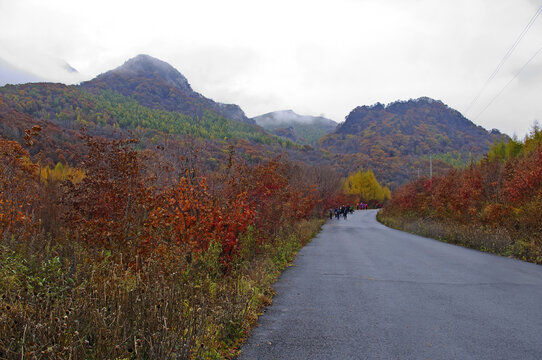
{"x":18,"y":189}
{"x":109,"y":206}
{"x":366,"y":187}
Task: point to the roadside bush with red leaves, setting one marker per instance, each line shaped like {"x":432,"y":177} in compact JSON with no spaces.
{"x":109,"y":207}
{"x":18,"y":190}
{"x":119,"y":206}
{"x":497,"y":193}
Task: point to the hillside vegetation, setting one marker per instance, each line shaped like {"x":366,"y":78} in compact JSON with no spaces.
{"x":396,"y":140}
{"x":157,"y":85}
{"x":132,"y":255}
{"x":494,"y":205}
{"x":62,"y":111}
{"x":73,"y":107}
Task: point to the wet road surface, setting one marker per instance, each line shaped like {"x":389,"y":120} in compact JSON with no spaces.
{"x":360,"y":290}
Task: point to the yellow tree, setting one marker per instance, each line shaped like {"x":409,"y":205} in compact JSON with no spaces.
{"x":365,"y":185}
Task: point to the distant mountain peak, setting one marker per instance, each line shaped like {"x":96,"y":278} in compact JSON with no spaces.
{"x":10,"y":74}
{"x":149,"y":67}
{"x":403,"y":134}
{"x":286,"y":117}
{"x":286,"y":112}
{"x":158,"y":85}
{"x":304,"y":129}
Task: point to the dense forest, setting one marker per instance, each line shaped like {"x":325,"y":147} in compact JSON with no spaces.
{"x":73,"y":107}
{"x":396,"y":140}
{"x":493,"y":205}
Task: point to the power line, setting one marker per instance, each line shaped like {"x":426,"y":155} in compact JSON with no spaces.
{"x":506,"y":56}
{"x":508,"y":83}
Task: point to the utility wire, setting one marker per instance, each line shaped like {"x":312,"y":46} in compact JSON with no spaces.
{"x":506,"y":56}
{"x":508,"y":83}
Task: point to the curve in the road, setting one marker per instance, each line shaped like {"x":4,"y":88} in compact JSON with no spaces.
{"x":360,"y":290}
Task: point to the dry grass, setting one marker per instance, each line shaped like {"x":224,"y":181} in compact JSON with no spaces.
{"x":70,"y":302}
{"x":497,"y":240}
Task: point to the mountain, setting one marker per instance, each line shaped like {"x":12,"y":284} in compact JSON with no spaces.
{"x":148,"y":99}
{"x":110,"y":114}
{"x":302,"y":129}
{"x":158,"y":85}
{"x":396,"y":140}
{"x":131,"y":101}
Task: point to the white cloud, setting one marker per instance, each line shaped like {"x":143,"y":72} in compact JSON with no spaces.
{"x":311,"y":56}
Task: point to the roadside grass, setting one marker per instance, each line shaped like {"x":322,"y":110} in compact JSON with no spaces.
{"x":496,"y":240}
{"x":69,"y":301}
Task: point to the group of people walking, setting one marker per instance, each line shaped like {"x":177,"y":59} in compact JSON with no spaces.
{"x":341,"y":211}
{"x":345,"y":210}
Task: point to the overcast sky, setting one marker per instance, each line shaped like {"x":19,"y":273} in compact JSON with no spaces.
{"x":315,"y":57}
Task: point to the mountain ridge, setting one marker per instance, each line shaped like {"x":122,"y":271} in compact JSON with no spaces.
{"x":396,"y":140}
{"x":158,"y":85}
{"x":150,"y":97}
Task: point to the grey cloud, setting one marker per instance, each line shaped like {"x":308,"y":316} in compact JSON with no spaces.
{"x":531,"y":75}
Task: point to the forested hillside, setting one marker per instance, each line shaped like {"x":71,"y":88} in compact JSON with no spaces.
{"x":396,"y":140}
{"x":61,"y":110}
{"x":158,"y":85}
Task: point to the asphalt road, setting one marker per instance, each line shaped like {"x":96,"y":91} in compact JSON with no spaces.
{"x":360,"y":290}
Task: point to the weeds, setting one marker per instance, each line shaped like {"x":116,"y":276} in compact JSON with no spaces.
{"x":119,"y":265}
{"x":105,"y":309}
{"x":496,"y":240}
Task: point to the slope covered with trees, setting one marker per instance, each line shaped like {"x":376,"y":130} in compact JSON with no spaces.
{"x":396,"y":140}
{"x":158,"y":85}
{"x":61,"y":110}
{"x":73,"y":107}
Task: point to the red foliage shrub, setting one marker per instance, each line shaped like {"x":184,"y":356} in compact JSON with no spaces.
{"x":18,"y":190}
{"x":110,"y":205}
{"x":523,"y":178}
